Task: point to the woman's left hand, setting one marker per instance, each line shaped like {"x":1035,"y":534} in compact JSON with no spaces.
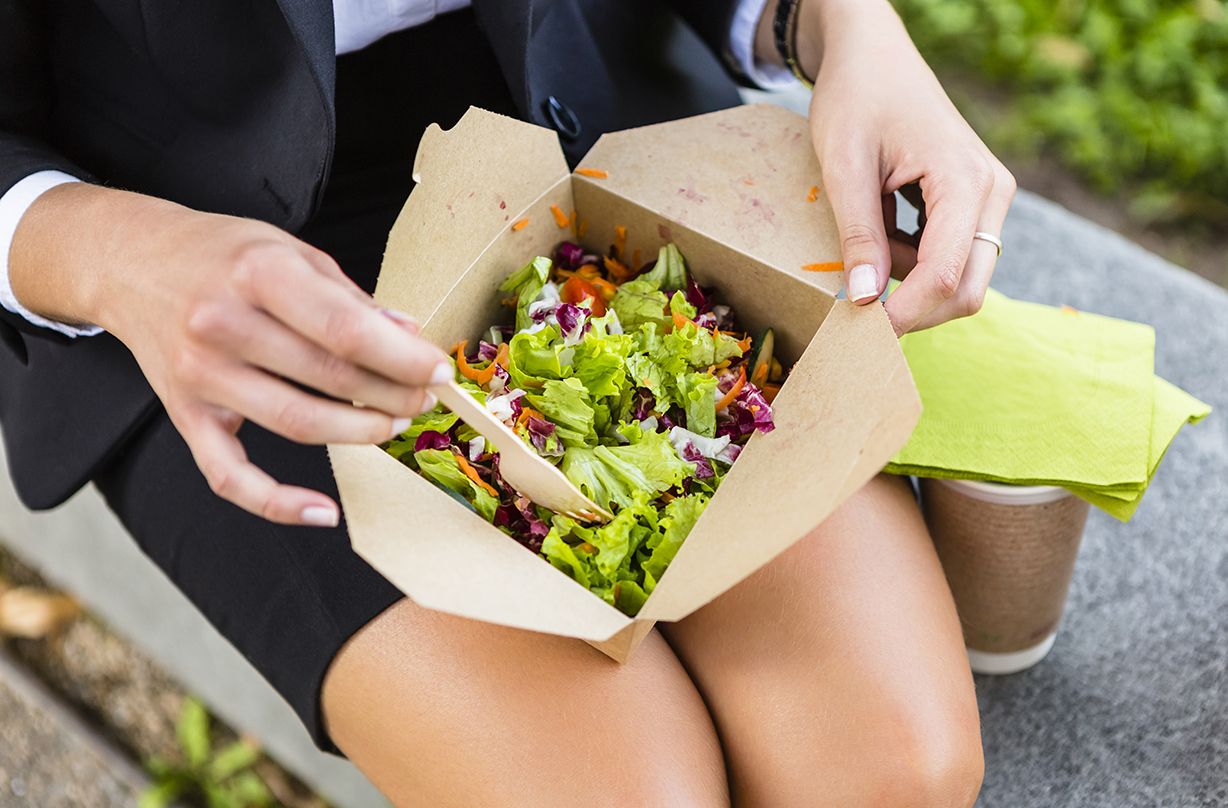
{"x":880,"y":120}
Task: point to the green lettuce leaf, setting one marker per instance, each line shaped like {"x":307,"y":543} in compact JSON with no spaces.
{"x":677,"y":519}
{"x":535,"y":357}
{"x":678,"y":304}
{"x":697,"y":395}
{"x":600,"y":363}
{"x":527,"y":283}
{"x":669,"y":273}
{"x":563,"y":556}
{"x":638,"y":302}
{"x":440,"y":466}
{"x":569,"y":407}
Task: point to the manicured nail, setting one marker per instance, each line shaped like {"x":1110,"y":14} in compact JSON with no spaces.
{"x":399,"y":425}
{"x":429,"y":401}
{"x":404,"y":319}
{"x":319,"y":516}
{"x":862,"y":283}
{"x":442,"y":373}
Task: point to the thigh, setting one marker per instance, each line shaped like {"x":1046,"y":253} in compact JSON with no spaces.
{"x":837,"y":674}
{"x":443,"y":711}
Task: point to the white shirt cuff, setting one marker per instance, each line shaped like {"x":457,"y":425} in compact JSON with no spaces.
{"x":764,"y":75}
{"x":13,"y":205}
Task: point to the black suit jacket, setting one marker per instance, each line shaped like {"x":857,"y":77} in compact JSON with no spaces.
{"x":229,"y":106}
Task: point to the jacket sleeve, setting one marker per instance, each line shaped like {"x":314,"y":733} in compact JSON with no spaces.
{"x":26,"y":98}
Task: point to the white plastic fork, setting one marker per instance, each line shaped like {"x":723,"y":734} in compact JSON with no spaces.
{"x":527,"y":472}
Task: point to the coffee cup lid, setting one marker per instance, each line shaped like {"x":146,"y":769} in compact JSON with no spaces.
{"x":1003,"y":494}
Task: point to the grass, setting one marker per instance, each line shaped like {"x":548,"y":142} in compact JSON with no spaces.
{"x":1131,"y":95}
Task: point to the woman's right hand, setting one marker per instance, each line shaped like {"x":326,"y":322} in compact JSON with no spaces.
{"x":226,"y":316}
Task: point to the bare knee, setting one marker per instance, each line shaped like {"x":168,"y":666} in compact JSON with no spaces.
{"x":928,"y":762}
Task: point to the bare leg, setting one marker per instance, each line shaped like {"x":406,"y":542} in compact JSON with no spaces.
{"x":837,"y":674}
{"x":443,"y":711}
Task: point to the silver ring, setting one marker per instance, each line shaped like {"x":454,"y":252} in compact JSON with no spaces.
{"x":989,"y":238}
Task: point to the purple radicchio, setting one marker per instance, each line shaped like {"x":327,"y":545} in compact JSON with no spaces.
{"x":568,"y":254}
{"x":573,"y":322}
{"x":540,"y":433}
{"x":430,"y":439}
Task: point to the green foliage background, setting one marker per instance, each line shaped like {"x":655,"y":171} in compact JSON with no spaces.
{"x":1131,"y":94}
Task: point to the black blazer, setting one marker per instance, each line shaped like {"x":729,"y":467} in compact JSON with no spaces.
{"x":229,"y":106}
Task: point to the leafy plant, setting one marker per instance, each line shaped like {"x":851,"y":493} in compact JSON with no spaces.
{"x":1131,"y":94}
{"x":214,"y":778}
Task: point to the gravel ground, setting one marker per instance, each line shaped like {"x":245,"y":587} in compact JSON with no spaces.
{"x":47,"y":762}
{"x":85,"y":688}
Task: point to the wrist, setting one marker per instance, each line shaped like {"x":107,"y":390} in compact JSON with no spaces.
{"x":72,"y":248}
{"x":823,"y":24}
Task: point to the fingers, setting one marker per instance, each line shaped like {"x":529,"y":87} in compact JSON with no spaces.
{"x":853,"y":185}
{"x":955,"y":198}
{"x":218,"y":453}
{"x":351,"y":327}
{"x":260,"y":340}
{"x":281,"y":408}
{"x":982,"y":257}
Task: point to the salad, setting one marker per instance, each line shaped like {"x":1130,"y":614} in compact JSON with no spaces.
{"x":636,"y":383}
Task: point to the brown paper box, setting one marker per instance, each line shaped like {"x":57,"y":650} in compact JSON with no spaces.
{"x":730,"y":189}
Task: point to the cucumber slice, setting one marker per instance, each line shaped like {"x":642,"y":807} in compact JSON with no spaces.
{"x":761,"y":360}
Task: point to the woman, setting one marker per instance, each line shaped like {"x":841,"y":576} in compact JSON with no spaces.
{"x":834,"y":676}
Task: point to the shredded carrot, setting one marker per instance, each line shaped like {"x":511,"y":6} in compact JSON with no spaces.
{"x":581,"y":228}
{"x":825,"y":266}
{"x":680,"y":321}
{"x":560,"y":217}
{"x":667,"y":496}
{"x":770,"y":391}
{"x":733,"y":391}
{"x":748,"y":180}
{"x":459,"y":347}
{"x":520,"y":225}
{"x":620,"y":241}
{"x":472,"y":474}
{"x":814,"y":193}
{"x":607,"y":289}
{"x":480,"y":375}
{"x":617,"y":269}
{"x":586,"y":547}
{"x":501,"y":356}
{"x":595,"y":173}
{"x":759,"y":375}
{"x":744,"y":343}
{"x":1069,"y":310}
{"x":525,"y":414}
{"x":589,"y":272}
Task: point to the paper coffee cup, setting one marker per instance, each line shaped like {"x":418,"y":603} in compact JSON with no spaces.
{"x":1008,"y":553}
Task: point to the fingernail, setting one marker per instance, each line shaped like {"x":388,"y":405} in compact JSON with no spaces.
{"x":862,"y":283}
{"x":429,"y":401}
{"x":442,"y":373}
{"x":320,"y":516}
{"x":399,"y":425}
{"x":402,"y":318}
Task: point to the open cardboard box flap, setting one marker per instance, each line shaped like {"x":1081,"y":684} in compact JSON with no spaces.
{"x":730,"y":188}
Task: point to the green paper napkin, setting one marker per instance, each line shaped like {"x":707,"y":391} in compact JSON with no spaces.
{"x":1035,"y":395}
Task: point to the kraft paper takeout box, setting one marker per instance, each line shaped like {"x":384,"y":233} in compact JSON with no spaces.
{"x":730,"y":188}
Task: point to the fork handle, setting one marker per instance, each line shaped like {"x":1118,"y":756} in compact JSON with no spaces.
{"x":457,"y":399}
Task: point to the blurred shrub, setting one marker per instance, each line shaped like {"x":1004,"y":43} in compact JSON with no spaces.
{"x":1132,"y":94}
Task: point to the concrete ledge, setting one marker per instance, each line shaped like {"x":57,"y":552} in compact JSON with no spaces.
{"x":83,"y":549}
